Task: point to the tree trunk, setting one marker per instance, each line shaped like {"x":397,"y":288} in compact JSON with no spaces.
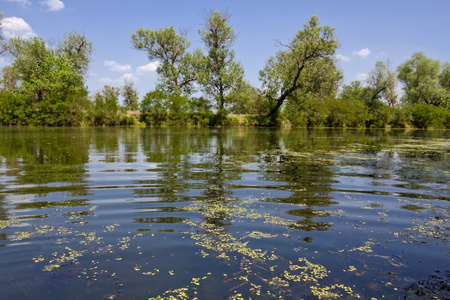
{"x":275,"y":109}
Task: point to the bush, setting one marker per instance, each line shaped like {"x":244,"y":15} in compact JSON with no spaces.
{"x":430,"y":116}
{"x":127,"y":121}
{"x":14,"y":110}
{"x":347,"y":113}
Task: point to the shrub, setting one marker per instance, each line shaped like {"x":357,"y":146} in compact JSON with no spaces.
{"x":430,"y":116}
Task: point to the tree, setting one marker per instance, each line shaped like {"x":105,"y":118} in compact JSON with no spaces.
{"x":78,"y":50}
{"x":130,"y":95}
{"x":420,"y":76}
{"x":246,"y":99}
{"x":3,"y":45}
{"x":355,"y":90}
{"x":10,"y":79}
{"x":176,"y":68}
{"x":221,"y":73}
{"x":305,"y":65}
{"x":444,"y":82}
{"x":106,"y":105}
{"x":382,"y":82}
{"x":47,"y":73}
{"x":154,"y":107}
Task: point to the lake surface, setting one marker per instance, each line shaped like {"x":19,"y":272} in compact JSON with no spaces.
{"x":139,"y":213}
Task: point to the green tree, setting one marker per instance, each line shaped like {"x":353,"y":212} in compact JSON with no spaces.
{"x":14,"y":110}
{"x":176,"y":68}
{"x":444,"y":82}
{"x":154,"y":107}
{"x":221,"y":73}
{"x":382,"y":82}
{"x":130,"y":95}
{"x":246,"y":99}
{"x":355,"y":90}
{"x":420,"y":77}
{"x":106,"y":105}
{"x":10,"y":79}
{"x":305,"y":65}
{"x":3,"y":45}
{"x":78,"y":50}
{"x":47,"y":73}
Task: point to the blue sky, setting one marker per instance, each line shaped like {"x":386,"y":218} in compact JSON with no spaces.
{"x":368,"y":31}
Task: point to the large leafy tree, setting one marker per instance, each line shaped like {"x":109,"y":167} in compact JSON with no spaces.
{"x":382,"y":82}
{"x":176,"y":68}
{"x":304,"y":66}
{"x":221,"y":73}
{"x":44,"y":72}
{"x":420,"y":76}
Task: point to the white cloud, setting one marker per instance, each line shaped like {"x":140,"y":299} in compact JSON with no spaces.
{"x":53,"y":5}
{"x":362,"y":76}
{"x":151,"y":67}
{"x":363,"y":53}
{"x":17,"y":27}
{"x":21,"y":2}
{"x":116,"y":67}
{"x":342,"y":57}
{"x":119,"y":80}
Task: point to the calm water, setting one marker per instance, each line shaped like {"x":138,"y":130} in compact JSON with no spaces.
{"x":117,"y":213}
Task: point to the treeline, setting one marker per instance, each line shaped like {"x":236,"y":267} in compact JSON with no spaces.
{"x":301,"y":85}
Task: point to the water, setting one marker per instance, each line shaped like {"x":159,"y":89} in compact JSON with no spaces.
{"x":128,"y":213}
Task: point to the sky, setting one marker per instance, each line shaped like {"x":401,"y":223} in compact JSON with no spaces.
{"x":368,"y":31}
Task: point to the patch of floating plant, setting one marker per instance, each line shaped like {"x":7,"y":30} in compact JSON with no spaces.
{"x":7,"y":223}
{"x":436,"y":227}
{"x":261,"y":272}
{"x":412,"y":207}
{"x":372,"y":205}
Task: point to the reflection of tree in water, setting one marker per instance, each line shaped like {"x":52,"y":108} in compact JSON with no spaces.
{"x":3,"y":215}
{"x":35,"y":157}
{"x":401,"y":162}
{"x":42,"y":162}
{"x":297,"y":164}
{"x":185,"y":165}
{"x":168,"y":154}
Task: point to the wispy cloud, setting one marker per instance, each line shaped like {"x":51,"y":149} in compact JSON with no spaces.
{"x":120,"y":80}
{"x":116,"y":67}
{"x":17,"y":27}
{"x":342,"y":57}
{"x":362,"y":76}
{"x":363,"y":53}
{"x":23,"y":3}
{"x":148,"y":68}
{"x":53,"y":5}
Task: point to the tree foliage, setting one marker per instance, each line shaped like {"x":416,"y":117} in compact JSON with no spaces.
{"x":3,"y":44}
{"x":356,"y":90}
{"x":130,"y":95}
{"x":176,"y":66}
{"x":305,"y":65}
{"x":420,"y":76}
{"x":46,"y":73}
{"x":246,"y":99}
{"x":382,"y":82}
{"x":106,"y":104}
{"x":220,"y":73}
